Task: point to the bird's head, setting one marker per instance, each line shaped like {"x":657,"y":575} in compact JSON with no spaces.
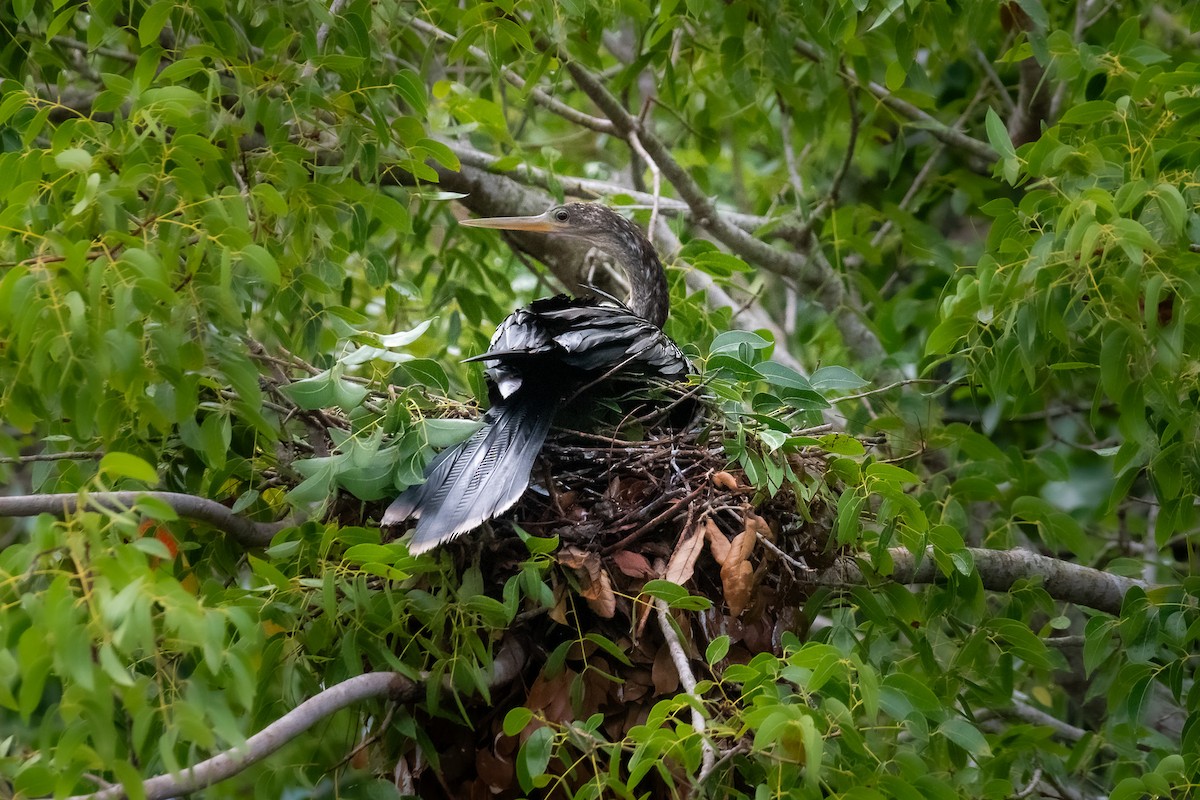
{"x":606,"y":230}
{"x":596,"y":224}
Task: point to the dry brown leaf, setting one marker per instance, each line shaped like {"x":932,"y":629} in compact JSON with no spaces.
{"x":740,"y":548}
{"x":595,"y":585}
{"x":599,"y":595}
{"x":757,"y":524}
{"x":635,"y":565}
{"x":663,"y":673}
{"x":717,"y":542}
{"x":637,"y":684}
{"x":725,"y":481}
{"x":737,"y":582}
{"x":578,"y":559}
{"x":683,"y":560}
{"x":551,"y":696}
{"x":496,"y":772}
{"x":558,"y":612}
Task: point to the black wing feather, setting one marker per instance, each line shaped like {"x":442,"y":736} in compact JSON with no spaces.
{"x":538,"y":356}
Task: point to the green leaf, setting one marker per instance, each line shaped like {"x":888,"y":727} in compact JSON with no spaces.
{"x":153,"y":20}
{"x":732,"y":341}
{"x":126,"y":465}
{"x":717,"y":649}
{"x":966,"y":736}
{"x":783,"y":376}
{"x":404,"y":338}
{"x":516,"y":720}
{"x":836,"y":379}
{"x":74,"y":159}
{"x":262,"y":263}
{"x":1088,"y":113}
{"x":998,"y":135}
{"x":534,"y":757}
{"x":676,"y":596}
{"x":1173,"y":207}
{"x":447,"y":432}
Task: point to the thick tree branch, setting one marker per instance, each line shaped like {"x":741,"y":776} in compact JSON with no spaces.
{"x":588,"y":187}
{"x":999,"y":570}
{"x":201,"y":509}
{"x":391,"y":685}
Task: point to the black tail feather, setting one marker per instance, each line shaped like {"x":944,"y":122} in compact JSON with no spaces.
{"x":479,"y":478}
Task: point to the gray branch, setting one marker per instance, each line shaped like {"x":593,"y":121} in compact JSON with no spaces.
{"x":999,"y":570}
{"x":391,"y":685}
{"x":201,"y":509}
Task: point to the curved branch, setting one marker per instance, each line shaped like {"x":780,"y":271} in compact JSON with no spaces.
{"x":391,"y":685}
{"x":201,"y":509}
{"x":998,"y":570}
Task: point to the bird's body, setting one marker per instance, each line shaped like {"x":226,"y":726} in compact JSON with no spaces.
{"x":538,"y":359}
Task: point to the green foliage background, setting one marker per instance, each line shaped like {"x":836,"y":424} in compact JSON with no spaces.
{"x":202,"y":202}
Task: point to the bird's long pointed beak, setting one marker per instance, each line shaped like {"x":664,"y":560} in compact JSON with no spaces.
{"x":539,"y":222}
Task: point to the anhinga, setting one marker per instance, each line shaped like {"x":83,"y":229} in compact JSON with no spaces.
{"x":539,"y":357}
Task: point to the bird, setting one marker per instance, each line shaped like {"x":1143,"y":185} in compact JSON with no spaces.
{"x":540,"y":357}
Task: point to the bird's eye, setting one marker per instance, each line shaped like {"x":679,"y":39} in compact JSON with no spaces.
{"x":561,"y":215}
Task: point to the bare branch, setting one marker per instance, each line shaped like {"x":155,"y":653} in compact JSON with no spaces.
{"x":335,"y":8}
{"x":636,"y":144}
{"x":999,"y":570}
{"x":392,"y":685}
{"x":201,"y":509}
{"x":77,"y":455}
{"x":882,"y":389}
{"x":591,"y":188}
{"x":688,"y":680}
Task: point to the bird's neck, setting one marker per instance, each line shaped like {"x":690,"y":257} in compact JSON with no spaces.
{"x":648,"y":295}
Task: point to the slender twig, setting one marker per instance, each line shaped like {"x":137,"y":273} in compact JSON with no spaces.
{"x":882,"y":389}
{"x":791,"y":563}
{"x":1029,"y":787}
{"x":78,"y":455}
{"x":835,"y":185}
{"x":84,"y":47}
{"x":990,"y":72}
{"x":941,"y":130}
{"x":675,"y":508}
{"x":679,"y":657}
{"x":656,"y":181}
{"x":790,"y":159}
